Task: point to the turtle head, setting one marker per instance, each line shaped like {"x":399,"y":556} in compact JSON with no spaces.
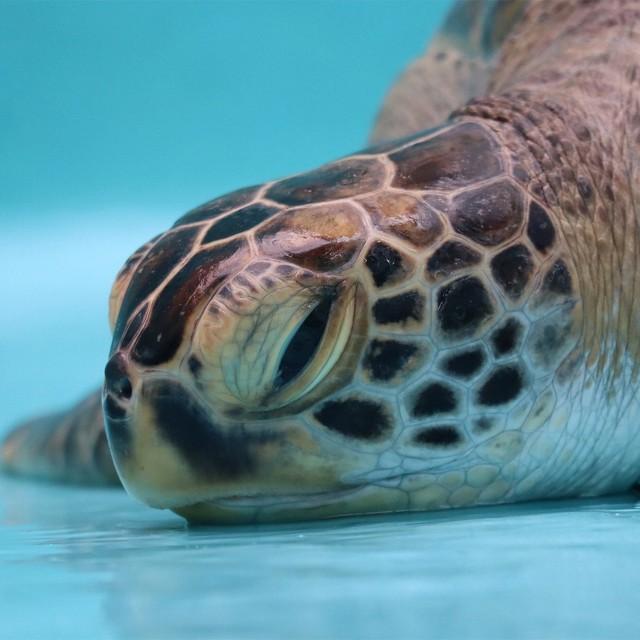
{"x":375,"y":335}
{"x":223,"y":348}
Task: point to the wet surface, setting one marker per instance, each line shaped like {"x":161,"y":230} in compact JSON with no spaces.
{"x":82,"y":563}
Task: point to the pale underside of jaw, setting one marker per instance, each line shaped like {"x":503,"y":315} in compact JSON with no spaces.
{"x":367,"y":498}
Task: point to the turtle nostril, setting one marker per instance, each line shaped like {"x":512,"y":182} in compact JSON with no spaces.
{"x":117,"y":381}
{"x":122,"y":387}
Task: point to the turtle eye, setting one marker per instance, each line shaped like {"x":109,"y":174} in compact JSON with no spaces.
{"x":304,"y":342}
{"x":272,"y":351}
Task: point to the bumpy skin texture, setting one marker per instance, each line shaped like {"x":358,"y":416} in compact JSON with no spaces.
{"x":438,"y":321}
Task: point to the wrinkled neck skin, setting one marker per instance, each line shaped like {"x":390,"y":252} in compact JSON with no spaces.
{"x":565,"y":99}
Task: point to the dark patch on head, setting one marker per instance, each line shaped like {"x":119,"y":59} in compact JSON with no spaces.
{"x":401,"y":308}
{"x":304,"y":343}
{"x":196,"y":281}
{"x":342,"y":179}
{"x":488,"y":215}
{"x":540,"y":228}
{"x":239,"y":221}
{"x":432,"y":400}
{"x":506,"y":338}
{"x":355,"y":418}
{"x":385,"y":359}
{"x":208,"y":450}
{"x":214,"y":208}
{"x":385,"y":263}
{"x":502,"y":387}
{"x":405,"y":216}
{"x":150,"y":273}
{"x":457,"y":157}
{"x":451,"y":257}
{"x":512,"y":269}
{"x":440,"y":436}
{"x":464,"y":365}
{"x":318,"y":237}
{"x":558,"y":279}
{"x":463,"y":306}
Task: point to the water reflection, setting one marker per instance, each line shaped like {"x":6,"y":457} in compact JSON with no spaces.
{"x":564,"y":569}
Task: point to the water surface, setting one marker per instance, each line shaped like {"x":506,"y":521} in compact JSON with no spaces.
{"x":96,"y":564}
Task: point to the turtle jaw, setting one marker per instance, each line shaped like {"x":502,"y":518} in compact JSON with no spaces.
{"x":250,"y":509}
{"x":173,"y":451}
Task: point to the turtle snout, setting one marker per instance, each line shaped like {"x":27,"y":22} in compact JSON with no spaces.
{"x":117,"y":381}
{"x":117,"y":397}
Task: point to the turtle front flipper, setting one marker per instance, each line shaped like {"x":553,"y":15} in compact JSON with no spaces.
{"x":69,"y":446}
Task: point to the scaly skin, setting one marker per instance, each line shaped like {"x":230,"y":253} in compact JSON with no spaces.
{"x":439,"y":321}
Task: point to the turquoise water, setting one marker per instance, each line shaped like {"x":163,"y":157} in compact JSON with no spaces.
{"x":96,"y":565}
{"x":114,"y":119}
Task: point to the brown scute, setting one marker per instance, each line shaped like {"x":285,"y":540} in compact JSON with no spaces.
{"x":439,"y":436}
{"x":342,"y":179}
{"x":151,"y":271}
{"x":357,"y":418}
{"x":399,"y":309}
{"x":451,"y":257}
{"x":455,"y":158}
{"x":463,"y":306}
{"x":434,"y":399}
{"x":540,"y":228}
{"x":558,"y":279}
{"x":239,"y":221}
{"x":319,"y":237}
{"x":384,"y":360}
{"x":386,"y":264}
{"x":512,"y":269}
{"x":503,"y":386}
{"x":489,"y":215}
{"x":506,"y":338}
{"x":404,"y":216}
{"x":190,"y":286}
{"x":214,"y":208}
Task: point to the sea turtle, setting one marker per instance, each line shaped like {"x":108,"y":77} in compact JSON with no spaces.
{"x":447,"y":318}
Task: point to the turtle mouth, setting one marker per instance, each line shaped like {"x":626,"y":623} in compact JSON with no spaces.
{"x":255,"y":508}
{"x":275,"y":500}
{"x":380,"y":496}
